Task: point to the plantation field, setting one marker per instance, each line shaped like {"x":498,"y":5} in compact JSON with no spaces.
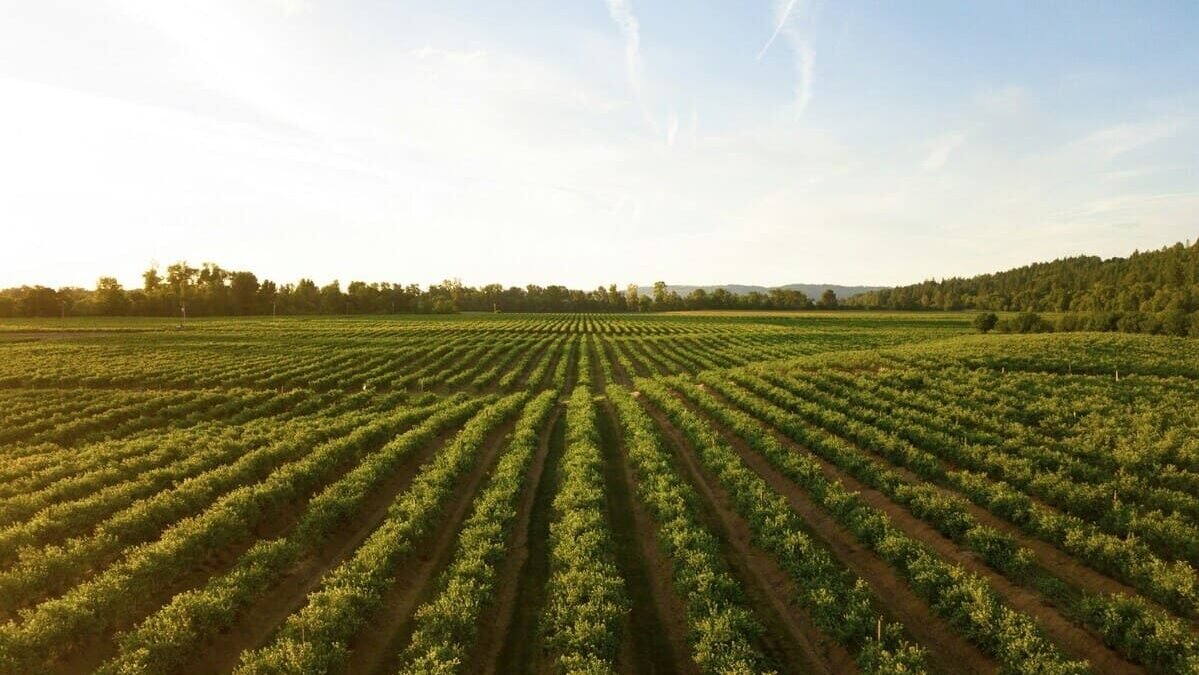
{"x":691,"y":493}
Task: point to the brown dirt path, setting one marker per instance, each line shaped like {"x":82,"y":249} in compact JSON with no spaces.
{"x":618,"y":371}
{"x":508,"y":640}
{"x":89,"y":653}
{"x":374,"y":648}
{"x":1059,"y":563}
{"x":1076,"y":641}
{"x":270,"y":610}
{"x":654,"y":634}
{"x":949,"y":652}
{"x":791,"y":638}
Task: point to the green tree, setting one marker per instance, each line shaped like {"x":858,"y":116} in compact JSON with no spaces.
{"x":631,"y":297}
{"x":151,"y":279}
{"x":243,"y":287}
{"x":306,"y":297}
{"x":268,"y":294}
{"x":110,"y":297}
{"x":828,"y":299}
{"x":985,"y":321}
{"x":660,"y":295}
{"x":332,"y":300}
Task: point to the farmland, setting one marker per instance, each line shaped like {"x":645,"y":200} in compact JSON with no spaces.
{"x":695,"y":493}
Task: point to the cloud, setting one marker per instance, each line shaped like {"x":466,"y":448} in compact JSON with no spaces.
{"x":940,"y":150}
{"x":672,"y":129}
{"x":778,"y":28}
{"x":1127,"y":204}
{"x":1114,"y":141}
{"x":622,"y":14}
{"x":804,"y":60}
{"x":802,"y":51}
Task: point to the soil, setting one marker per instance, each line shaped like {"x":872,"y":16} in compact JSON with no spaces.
{"x":791,"y":638}
{"x":618,"y":371}
{"x":1075,"y":641}
{"x":509,"y":640}
{"x":88,"y":653}
{"x":654,"y":634}
{"x":374,"y":647}
{"x":269,"y":610}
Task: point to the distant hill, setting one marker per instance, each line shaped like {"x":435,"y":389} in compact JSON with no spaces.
{"x":813,"y":291}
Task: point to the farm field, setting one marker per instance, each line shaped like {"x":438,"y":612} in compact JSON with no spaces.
{"x":694,"y":493}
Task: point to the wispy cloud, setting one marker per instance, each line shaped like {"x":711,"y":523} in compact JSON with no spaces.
{"x":622,"y":14}
{"x":805,"y":56}
{"x":778,"y":27}
{"x":804,"y":62}
{"x":1121,"y":138}
{"x":1127,"y":204}
{"x":940,"y":150}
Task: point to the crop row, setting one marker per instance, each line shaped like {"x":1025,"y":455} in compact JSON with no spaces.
{"x":1168,"y":642}
{"x":722,"y":629}
{"x":170,"y":636}
{"x":1172,"y":583}
{"x":446,"y":626}
{"x":314,"y":639}
{"x":586,"y":596}
{"x":56,"y":625}
{"x":838,"y":602}
{"x":966,"y":601}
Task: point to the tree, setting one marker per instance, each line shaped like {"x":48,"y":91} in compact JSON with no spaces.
{"x":660,"y":296}
{"x":828,"y":299}
{"x":151,"y":279}
{"x":212,"y":284}
{"x":631,"y":297}
{"x":307,"y":298}
{"x":37,"y":301}
{"x":181,"y":278}
{"x":243,"y":286}
{"x":268,"y":295}
{"x":332,"y":300}
{"x":985,"y":321}
{"x":616,"y":301}
{"x":110,"y":297}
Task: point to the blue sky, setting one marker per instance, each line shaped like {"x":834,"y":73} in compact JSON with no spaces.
{"x":590,"y":142}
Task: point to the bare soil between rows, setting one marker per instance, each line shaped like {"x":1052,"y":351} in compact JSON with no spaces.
{"x":791,"y":638}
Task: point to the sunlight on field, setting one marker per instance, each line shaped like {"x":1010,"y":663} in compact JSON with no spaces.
{"x":308,"y":494}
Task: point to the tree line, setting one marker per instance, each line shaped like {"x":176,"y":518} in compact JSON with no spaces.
{"x":1151,"y":282}
{"x":210,"y":290}
{"x":1154,"y":292}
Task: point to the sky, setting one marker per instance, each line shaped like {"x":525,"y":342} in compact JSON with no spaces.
{"x":592,"y":142}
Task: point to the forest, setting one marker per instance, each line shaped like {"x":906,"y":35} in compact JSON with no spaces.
{"x":1153,"y":281}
